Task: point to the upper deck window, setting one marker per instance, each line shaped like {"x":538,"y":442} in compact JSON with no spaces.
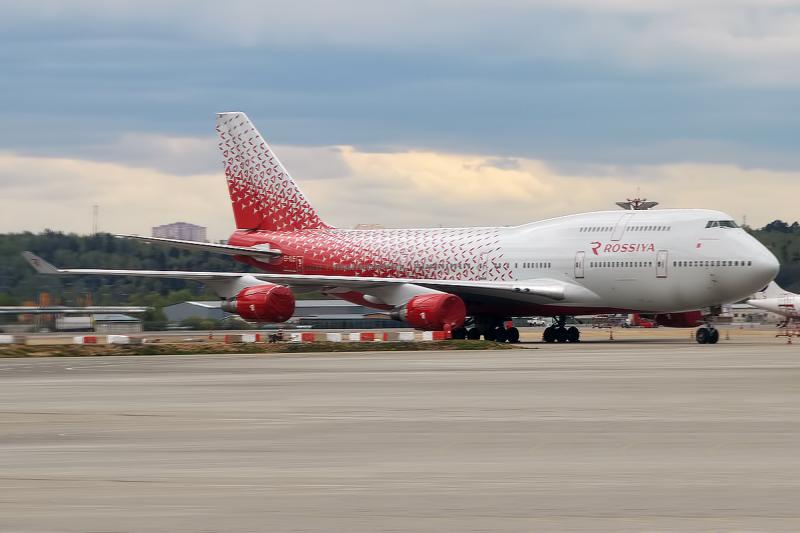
{"x":721,"y":224}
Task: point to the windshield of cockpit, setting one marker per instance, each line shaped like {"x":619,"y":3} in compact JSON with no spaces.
{"x":721,"y":224}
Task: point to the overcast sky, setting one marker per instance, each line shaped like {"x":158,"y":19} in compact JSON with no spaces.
{"x":413,"y":113}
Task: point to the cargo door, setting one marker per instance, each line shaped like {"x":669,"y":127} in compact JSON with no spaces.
{"x":293,"y":264}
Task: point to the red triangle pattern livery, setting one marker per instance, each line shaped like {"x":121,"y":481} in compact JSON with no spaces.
{"x":263,"y":194}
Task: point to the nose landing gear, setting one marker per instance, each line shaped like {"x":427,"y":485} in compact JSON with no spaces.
{"x":708,"y":334}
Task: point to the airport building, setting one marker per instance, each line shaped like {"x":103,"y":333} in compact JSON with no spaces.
{"x":182,"y":231}
{"x":116,"y":324}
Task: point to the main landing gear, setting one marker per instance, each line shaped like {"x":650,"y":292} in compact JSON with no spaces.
{"x":558,"y":332}
{"x":491,"y":328}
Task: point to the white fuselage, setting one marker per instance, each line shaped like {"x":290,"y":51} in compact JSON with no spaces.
{"x":667,"y":260}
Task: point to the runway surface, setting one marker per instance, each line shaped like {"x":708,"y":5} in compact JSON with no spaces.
{"x":592,"y":437}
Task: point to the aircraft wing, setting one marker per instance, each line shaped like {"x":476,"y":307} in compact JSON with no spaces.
{"x":261,"y":252}
{"x":549,"y":289}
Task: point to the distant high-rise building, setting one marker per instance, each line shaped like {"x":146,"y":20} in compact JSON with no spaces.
{"x":182,"y":231}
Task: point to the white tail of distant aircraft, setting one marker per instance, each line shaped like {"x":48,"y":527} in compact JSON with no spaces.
{"x":677,"y":264}
{"x":777,"y":300}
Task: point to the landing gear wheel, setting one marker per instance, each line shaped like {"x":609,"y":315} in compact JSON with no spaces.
{"x":512,"y":334}
{"x":573,"y":334}
{"x":474,"y":334}
{"x":713,"y":336}
{"x":488,"y":335}
{"x":459,"y":333}
{"x":561,"y":335}
{"x":549,"y":334}
{"x":500,"y":334}
{"x":702,"y":336}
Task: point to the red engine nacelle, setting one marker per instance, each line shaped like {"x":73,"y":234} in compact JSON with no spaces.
{"x":262,"y":303}
{"x":689,"y":319}
{"x":433,"y":312}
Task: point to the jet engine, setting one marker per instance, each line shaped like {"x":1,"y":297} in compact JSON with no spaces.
{"x":689,"y":319}
{"x":262,"y":303}
{"x":432,"y":312}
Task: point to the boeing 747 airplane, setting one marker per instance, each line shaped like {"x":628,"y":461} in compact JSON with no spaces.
{"x":677,"y":265}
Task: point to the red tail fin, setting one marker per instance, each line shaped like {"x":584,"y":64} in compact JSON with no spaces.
{"x":263,"y":194}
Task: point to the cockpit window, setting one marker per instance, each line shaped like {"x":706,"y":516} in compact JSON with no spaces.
{"x":721,"y":224}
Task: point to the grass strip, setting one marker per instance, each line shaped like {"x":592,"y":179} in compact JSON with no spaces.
{"x":241,"y":348}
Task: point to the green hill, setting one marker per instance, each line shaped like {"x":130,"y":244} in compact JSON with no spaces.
{"x":784,"y":241}
{"x":19,"y":283}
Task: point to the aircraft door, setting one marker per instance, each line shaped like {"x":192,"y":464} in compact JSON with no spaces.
{"x":293,"y":264}
{"x":483,"y":266}
{"x":661,"y":263}
{"x":619,"y":229}
{"x":788,"y":305}
{"x":579,"y":264}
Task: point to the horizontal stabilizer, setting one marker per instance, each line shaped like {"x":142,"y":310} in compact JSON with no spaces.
{"x":227,"y":249}
{"x":43,"y":267}
{"x":40,"y":265}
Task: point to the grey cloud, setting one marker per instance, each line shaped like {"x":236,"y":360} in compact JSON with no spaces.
{"x":573,"y":82}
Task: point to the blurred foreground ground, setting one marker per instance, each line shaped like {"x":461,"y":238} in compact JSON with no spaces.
{"x":654,"y":435}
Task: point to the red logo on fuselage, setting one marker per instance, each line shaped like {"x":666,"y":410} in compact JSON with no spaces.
{"x":626,"y":247}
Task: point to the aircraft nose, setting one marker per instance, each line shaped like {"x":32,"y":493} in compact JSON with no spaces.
{"x":765,"y":267}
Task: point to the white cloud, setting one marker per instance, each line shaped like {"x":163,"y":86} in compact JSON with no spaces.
{"x":58,"y":193}
{"x":396,"y":189}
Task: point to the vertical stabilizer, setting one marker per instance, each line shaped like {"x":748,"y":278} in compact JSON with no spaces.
{"x":773,"y":290}
{"x":263,"y":194}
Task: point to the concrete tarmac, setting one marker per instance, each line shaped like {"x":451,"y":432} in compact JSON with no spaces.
{"x":571,"y":437}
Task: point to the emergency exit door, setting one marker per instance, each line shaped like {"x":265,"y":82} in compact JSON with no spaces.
{"x":579,"y":264}
{"x":661,"y":263}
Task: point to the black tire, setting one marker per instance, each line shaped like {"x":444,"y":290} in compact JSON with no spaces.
{"x":488,"y":335}
{"x":459,"y":333}
{"x":549,"y":334}
{"x":561,"y":334}
{"x":474,"y":334}
{"x":512,"y":335}
{"x":713,"y":336}
{"x":500,"y":334}
{"x":702,"y":336}
{"x":573,"y":334}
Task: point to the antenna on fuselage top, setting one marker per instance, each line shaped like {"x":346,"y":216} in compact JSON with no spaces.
{"x":637,"y":204}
